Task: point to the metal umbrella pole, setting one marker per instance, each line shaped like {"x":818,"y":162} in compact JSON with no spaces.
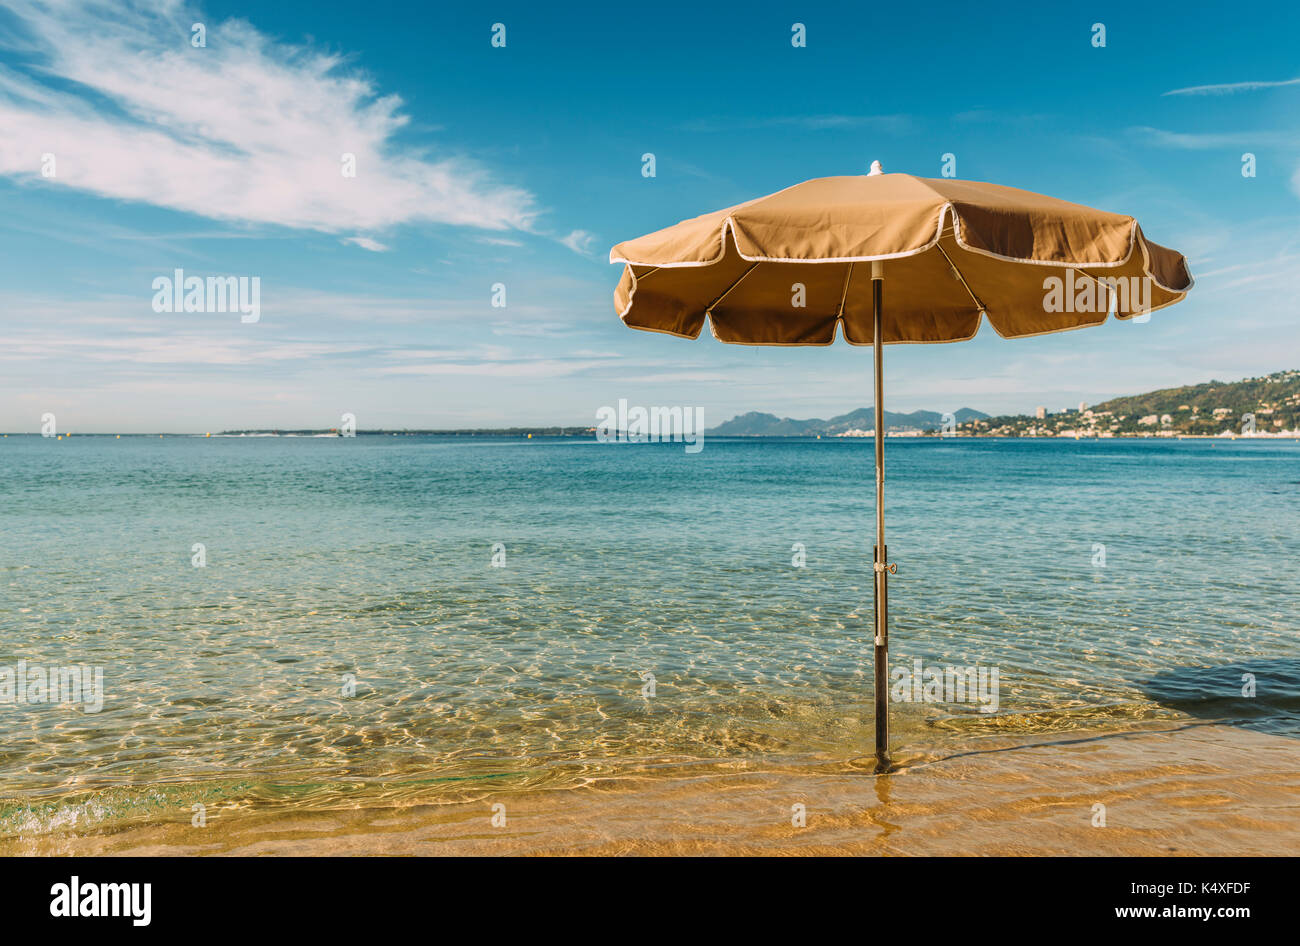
{"x":880,"y":564}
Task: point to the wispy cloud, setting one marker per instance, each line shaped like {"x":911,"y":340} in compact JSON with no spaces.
{"x":499,"y":241}
{"x":518,"y":367}
{"x":172,"y":348}
{"x":533,"y":329}
{"x":246,"y":129}
{"x":1231,"y":88}
{"x":893,"y":124}
{"x":988,"y":116}
{"x":1197,"y":141}
{"x":580,"y":241}
{"x":366,"y":243}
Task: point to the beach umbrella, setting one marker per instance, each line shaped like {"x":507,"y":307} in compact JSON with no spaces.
{"x":813,"y":260}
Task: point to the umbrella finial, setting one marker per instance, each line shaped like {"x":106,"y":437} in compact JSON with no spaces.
{"x":875,"y":169}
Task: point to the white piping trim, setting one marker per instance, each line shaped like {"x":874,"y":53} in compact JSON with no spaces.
{"x":1132,"y":242}
{"x":839,"y":331}
{"x":979,"y":321}
{"x":664,"y":331}
{"x":730,"y":223}
{"x":631,"y":294}
{"x":947,"y":208}
{"x":839,"y":319}
{"x":1146,"y":268}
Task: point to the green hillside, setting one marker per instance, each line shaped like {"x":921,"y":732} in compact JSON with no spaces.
{"x":1274,"y":400}
{"x":1203,"y":409}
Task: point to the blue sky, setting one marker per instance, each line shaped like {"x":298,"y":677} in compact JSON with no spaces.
{"x":522,"y":165}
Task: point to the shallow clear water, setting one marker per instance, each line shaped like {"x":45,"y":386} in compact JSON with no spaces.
{"x":372,"y":557}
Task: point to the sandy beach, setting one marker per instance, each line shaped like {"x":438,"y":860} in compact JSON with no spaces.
{"x":1201,"y":789}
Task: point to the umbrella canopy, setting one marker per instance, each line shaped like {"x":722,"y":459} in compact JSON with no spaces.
{"x":953,"y":250}
{"x":789,"y":268}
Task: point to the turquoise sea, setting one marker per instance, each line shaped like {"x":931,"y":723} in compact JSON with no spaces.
{"x":350,"y":637}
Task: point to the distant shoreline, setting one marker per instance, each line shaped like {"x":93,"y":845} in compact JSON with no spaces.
{"x":1210,"y":411}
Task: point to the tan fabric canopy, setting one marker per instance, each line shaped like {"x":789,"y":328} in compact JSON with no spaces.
{"x":952,"y":250}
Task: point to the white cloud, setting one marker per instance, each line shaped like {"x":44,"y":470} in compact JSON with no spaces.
{"x":366,"y":243}
{"x":533,"y":329}
{"x":1230,"y":88}
{"x":580,"y":241}
{"x":248,"y":129}
{"x":891,"y":124}
{"x":678,"y":377}
{"x":174,"y":348}
{"x":1195,"y":141}
{"x":537,"y":368}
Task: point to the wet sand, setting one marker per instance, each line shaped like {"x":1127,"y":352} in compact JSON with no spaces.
{"x":1191,"y":790}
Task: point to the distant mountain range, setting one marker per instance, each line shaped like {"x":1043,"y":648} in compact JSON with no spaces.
{"x":756,"y":424}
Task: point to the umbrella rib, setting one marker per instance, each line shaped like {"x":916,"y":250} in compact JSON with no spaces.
{"x":1112,"y":301}
{"x":845,"y":294}
{"x":965,"y":285}
{"x":709,"y":309}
